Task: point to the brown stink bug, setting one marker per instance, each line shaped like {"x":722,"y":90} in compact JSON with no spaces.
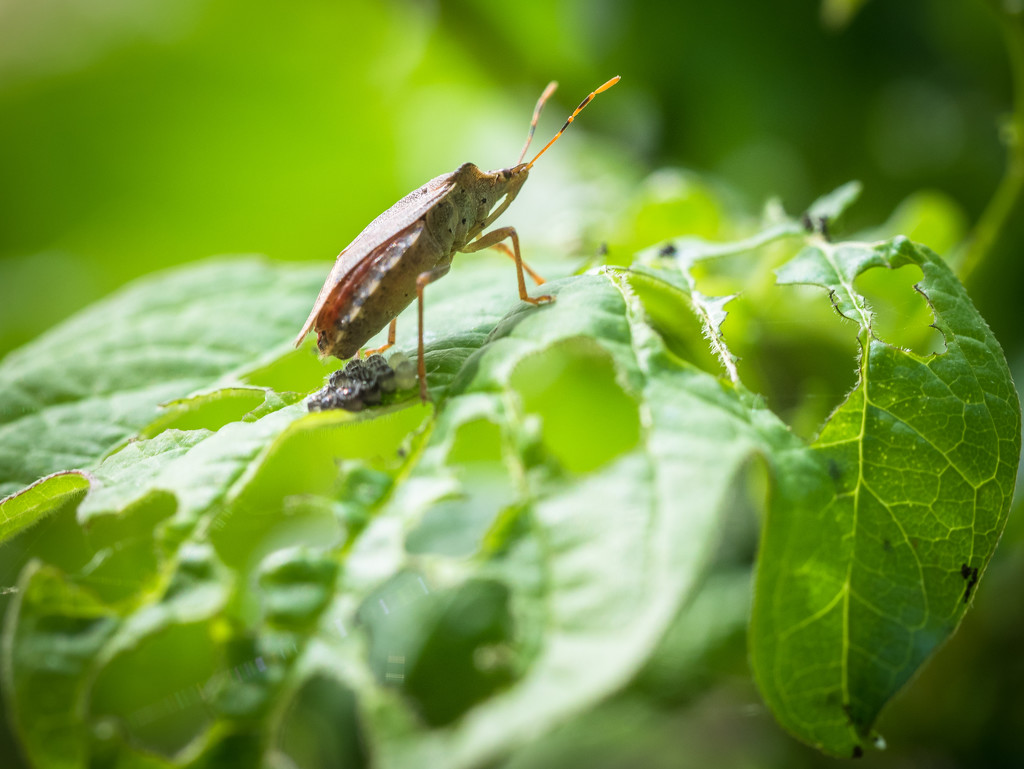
{"x":412,"y":244}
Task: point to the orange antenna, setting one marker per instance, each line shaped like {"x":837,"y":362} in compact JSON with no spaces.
{"x":572,"y":117}
{"x":536,"y":114}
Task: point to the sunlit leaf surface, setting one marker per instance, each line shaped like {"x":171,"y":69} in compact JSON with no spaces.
{"x":443,"y":582}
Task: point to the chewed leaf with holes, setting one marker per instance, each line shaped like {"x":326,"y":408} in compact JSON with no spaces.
{"x":440,"y":584}
{"x":709,"y":311}
{"x":560,"y":509}
{"x":875,"y":542}
{"x":446,"y":583}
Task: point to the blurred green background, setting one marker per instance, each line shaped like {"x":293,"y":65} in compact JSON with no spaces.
{"x":139,"y":135}
{"x":135,"y":136}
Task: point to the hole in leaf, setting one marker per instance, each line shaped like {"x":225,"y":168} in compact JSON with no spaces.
{"x":794,"y":349}
{"x":297,"y":371}
{"x":321,"y":727}
{"x":126,"y":557}
{"x":56,"y":539}
{"x":305,"y":461}
{"x":704,"y":640}
{"x":243,"y":538}
{"x":153,"y":689}
{"x":457,"y":524}
{"x":588,"y":419}
{"x":35,"y":509}
{"x":445,"y":649}
{"x":209,"y":411}
{"x":460,"y":663}
{"x":672,"y":316}
{"x":902,"y":317}
{"x":295,"y":585}
{"x":478,"y":440}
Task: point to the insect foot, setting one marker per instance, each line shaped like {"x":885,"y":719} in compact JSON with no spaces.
{"x":542,"y":299}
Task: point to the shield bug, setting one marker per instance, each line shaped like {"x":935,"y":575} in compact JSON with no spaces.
{"x":412,"y":244}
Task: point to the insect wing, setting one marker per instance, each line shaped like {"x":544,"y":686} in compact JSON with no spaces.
{"x":365,"y":276}
{"x":378,"y":232}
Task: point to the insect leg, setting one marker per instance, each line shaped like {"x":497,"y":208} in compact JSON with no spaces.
{"x":389,"y":344}
{"x":508,"y":252}
{"x":421,"y":283}
{"x":496,"y":236}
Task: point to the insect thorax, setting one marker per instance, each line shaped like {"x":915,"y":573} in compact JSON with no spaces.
{"x":463,"y":213}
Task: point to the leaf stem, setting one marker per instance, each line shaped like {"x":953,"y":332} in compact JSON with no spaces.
{"x":994,"y":217}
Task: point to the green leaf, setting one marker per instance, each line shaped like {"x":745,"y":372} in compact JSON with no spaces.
{"x":45,"y":496}
{"x":547,"y":533}
{"x":88,"y":384}
{"x":451,"y":580}
{"x":135,"y":472}
{"x":48,"y":655}
{"x":583,"y":622}
{"x":709,"y":310}
{"x":67,"y":652}
{"x":831,"y":206}
{"x":877,"y":537}
{"x":207,"y":411}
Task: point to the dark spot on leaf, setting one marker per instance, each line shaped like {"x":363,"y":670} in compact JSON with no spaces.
{"x":483,"y":200}
{"x":822,"y":226}
{"x":849,"y":713}
{"x":602,"y":249}
{"x":463,"y":221}
{"x":834,"y":471}
{"x":669,"y":249}
{"x":971,"y":576}
{"x":858,"y":751}
{"x":805,"y":221}
{"x":886,"y":545}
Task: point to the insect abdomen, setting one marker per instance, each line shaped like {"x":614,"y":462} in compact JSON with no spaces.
{"x":376,"y":291}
